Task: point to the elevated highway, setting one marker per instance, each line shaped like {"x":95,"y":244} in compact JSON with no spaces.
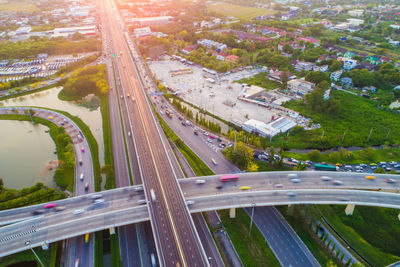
{"x":123,"y":206}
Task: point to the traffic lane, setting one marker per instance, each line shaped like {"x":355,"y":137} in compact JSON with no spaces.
{"x":282,"y":240}
{"x":213,"y":256}
{"x":297,"y":196}
{"x":282,"y":180}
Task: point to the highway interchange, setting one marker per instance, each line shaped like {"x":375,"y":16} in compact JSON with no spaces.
{"x":115,"y":210}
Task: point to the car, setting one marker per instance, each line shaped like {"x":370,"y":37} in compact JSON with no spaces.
{"x":142,"y":201}
{"x":127,"y":95}
{"x":51,"y":117}
{"x":189,"y":202}
{"x":390,"y":181}
{"x":81,"y":177}
{"x":218,"y":187}
{"x":96,"y":196}
{"x":370,"y":177}
{"x":343,"y":199}
{"x":200,"y":181}
{"x":99,"y":201}
{"x":78,"y":211}
{"x":183,"y":123}
{"x":161,"y":112}
{"x":325,"y":178}
{"x":38,"y":212}
{"x":80,"y":162}
{"x":129,"y":134}
{"x":373,"y":167}
{"x":292,"y":175}
{"x":219,"y":139}
{"x":86,"y":186}
{"x":295,"y":180}
{"x":292,"y":194}
{"x":221,"y":145}
{"x":206,"y":133}
{"x":337,"y":182}
{"x":245,"y":188}
{"x":76,"y":262}
{"x":195,"y":133}
{"x":214,"y":162}
{"x":82,"y":149}
{"x":59,"y":208}
{"x":339,"y":164}
{"x":278,"y":185}
{"x":209,"y":140}
{"x":229,"y":144}
{"x":393,"y":163}
{"x":27,"y":242}
{"x":180,"y":118}
{"x":50,"y":205}
{"x":122,"y":96}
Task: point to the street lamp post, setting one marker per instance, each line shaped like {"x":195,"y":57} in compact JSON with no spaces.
{"x":251,"y":220}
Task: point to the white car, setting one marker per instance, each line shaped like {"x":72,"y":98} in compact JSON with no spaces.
{"x":292,"y":175}
{"x":325,"y":178}
{"x":200,"y":181}
{"x":190,"y":202}
{"x":99,"y":201}
{"x":78,"y":211}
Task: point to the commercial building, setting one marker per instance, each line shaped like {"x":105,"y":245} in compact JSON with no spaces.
{"x":300,"y":87}
{"x":301,"y":65}
{"x":68,"y":31}
{"x":140,"y":32}
{"x":277,"y":76}
{"x":210,"y":44}
{"x":23,"y":30}
{"x":151,"y":21}
{"x":280,"y":125}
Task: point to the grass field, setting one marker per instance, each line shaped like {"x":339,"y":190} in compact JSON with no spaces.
{"x":373,"y":232}
{"x":262,"y":81}
{"x":20,"y":6}
{"x":305,"y":20}
{"x":358,"y":122}
{"x":240,"y":12}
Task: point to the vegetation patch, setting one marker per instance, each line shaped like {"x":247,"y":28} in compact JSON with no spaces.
{"x":261,"y":80}
{"x":373,"y":232}
{"x":357,"y":122}
{"x":19,"y":6}
{"x":238,"y":11}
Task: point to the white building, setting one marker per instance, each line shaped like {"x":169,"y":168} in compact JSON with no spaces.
{"x":281,"y":125}
{"x":210,"y":43}
{"x":356,"y":12}
{"x":300,"y":87}
{"x":23,"y":30}
{"x":355,"y":22}
{"x":336,"y":75}
{"x":139,"y":32}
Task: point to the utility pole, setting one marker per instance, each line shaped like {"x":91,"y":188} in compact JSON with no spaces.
{"x":252,"y":215}
{"x":322,"y":135}
{"x":344,"y":134}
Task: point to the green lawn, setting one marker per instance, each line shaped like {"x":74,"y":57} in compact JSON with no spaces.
{"x":19,"y":6}
{"x":261,"y":80}
{"x":373,"y":232}
{"x":253,"y":251}
{"x":355,"y":119}
{"x":240,"y":12}
{"x":305,"y":20}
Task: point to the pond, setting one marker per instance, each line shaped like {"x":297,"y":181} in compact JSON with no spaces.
{"x":27,"y":154}
{"x":89,"y":114}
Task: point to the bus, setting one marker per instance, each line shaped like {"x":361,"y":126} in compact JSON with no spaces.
{"x":322,"y":167}
{"x":229,"y":178}
{"x":87,"y":238}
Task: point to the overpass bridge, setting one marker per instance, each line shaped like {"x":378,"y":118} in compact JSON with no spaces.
{"x":127,"y":205}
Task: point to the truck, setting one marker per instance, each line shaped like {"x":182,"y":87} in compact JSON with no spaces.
{"x":323,"y":167}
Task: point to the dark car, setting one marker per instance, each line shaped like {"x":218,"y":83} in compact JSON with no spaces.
{"x":38,"y":212}
{"x":196,"y":133}
{"x":180,"y":118}
{"x":183,"y":123}
{"x":219,"y":187}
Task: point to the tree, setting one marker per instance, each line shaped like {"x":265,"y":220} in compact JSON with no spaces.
{"x":300,"y":167}
{"x":241,"y":155}
{"x":379,"y":170}
{"x":335,"y":65}
{"x":314,"y":155}
{"x":287,"y":48}
{"x":77,"y":36}
{"x":1,"y":185}
{"x":368,"y":154}
{"x":317,"y":77}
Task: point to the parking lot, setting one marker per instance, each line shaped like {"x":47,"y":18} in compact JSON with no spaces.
{"x":216,"y":94}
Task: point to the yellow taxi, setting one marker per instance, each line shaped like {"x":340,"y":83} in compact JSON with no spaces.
{"x":339,"y":164}
{"x":51,"y":117}
{"x":370,"y":177}
{"x":245,"y":188}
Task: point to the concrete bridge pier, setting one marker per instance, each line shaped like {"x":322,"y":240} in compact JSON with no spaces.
{"x":349,"y":209}
{"x":232,"y":213}
{"x":112,"y":230}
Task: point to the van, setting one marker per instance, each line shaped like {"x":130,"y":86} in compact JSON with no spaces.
{"x":214,"y":162}
{"x":153,"y":195}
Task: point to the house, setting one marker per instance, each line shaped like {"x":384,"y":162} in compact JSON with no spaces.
{"x":356,"y":12}
{"x":4,"y":63}
{"x":210,"y":44}
{"x":277,"y":76}
{"x":307,"y":66}
{"x":349,"y":54}
{"x":294,"y":45}
{"x":219,"y":55}
{"x":372,"y":59}
{"x":368,"y":66}
{"x":348,"y":64}
{"x":347,"y":82}
{"x":323,"y":68}
{"x":189,"y":49}
{"x":315,"y":42}
{"x":385,"y":59}
{"x":232,"y":58}
{"x":300,"y":87}
{"x":336,"y":75}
